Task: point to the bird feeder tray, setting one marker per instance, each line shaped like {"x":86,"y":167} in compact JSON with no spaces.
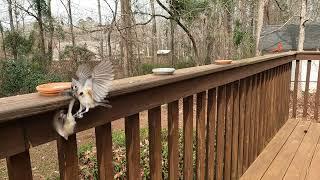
{"x":163,"y":71}
{"x":53,"y":89}
{"x":223,"y":62}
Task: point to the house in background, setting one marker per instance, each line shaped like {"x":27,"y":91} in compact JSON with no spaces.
{"x":276,"y":39}
{"x":273,"y":36}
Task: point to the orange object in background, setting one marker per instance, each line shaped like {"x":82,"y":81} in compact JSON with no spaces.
{"x":279,"y":48}
{"x":222,"y":62}
{"x":53,"y":89}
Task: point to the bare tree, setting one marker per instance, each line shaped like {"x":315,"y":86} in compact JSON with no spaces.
{"x":154,"y":38}
{"x":39,"y":8}
{"x":303,"y":20}
{"x":3,"y":44}
{"x":101,"y":33}
{"x":126,"y":17}
{"x":10,"y":14}
{"x":16,"y":13}
{"x":259,"y":23}
{"x":71,"y":24}
{"x":14,"y":48}
{"x":185,"y":29}
{"x":112,"y":25}
{"x":172,"y":29}
{"x":51,"y":31}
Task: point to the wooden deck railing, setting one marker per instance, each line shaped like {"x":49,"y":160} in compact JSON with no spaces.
{"x":305,"y":99}
{"x":239,"y":108}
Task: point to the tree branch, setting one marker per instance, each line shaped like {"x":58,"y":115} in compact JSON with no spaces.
{"x":27,"y":11}
{"x":186,"y":30}
{"x":278,"y":4}
{"x":268,"y":33}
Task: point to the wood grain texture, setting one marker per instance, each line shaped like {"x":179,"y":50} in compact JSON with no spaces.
{"x":260,"y":166}
{"x":221,"y":112}
{"x":316,"y":108}
{"x":242,"y":124}
{"x":235,"y":131}
{"x":313,"y":173}
{"x":281,"y":163}
{"x":68,"y":158}
{"x":173,"y":140}
{"x":228,"y":131}
{"x":295,"y":89}
{"x":306,"y":90}
{"x":39,"y":128}
{"x":104,"y":151}
{"x":300,"y":164}
{"x":188,"y":138}
{"x":261,"y":112}
{"x":253,"y":133}
{"x":201,"y":135}
{"x":30,"y":104}
{"x":247,"y":124}
{"x":211,"y":133}
{"x":19,"y":166}
{"x":154,"y":120}
{"x":12,"y":139}
{"x":132,"y":131}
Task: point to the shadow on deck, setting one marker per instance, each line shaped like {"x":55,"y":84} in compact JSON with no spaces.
{"x":294,"y":153}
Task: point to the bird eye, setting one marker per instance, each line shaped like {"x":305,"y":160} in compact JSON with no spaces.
{"x":75,"y":87}
{"x":81,"y":93}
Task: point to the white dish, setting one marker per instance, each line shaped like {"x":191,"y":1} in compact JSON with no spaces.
{"x":163,"y":71}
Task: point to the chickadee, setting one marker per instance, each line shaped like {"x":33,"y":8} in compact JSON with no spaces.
{"x":65,"y":123}
{"x":92,"y":86}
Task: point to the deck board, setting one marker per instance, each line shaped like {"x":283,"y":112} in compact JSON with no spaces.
{"x":299,"y":166}
{"x":294,"y":153}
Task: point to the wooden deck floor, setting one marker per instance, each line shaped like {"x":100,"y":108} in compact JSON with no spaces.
{"x":294,"y":153}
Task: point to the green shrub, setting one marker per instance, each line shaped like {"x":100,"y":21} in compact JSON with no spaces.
{"x":15,"y":41}
{"x":22,"y":76}
{"x":87,"y":156}
{"x":186,"y":63}
{"x":82,"y":53}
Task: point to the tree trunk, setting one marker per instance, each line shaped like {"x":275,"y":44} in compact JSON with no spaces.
{"x":209,"y":37}
{"x":126,"y":16}
{"x":303,"y":20}
{"x":41,"y":30}
{"x":113,"y":23}
{"x":172,"y":29}
{"x":71,"y":31}
{"x":16,"y":14}
{"x":51,"y":31}
{"x":302,"y":24}
{"x":259,"y":23}
{"x":228,"y":25}
{"x":14,"y":48}
{"x":3,"y":44}
{"x":154,"y":38}
{"x":101,"y":34}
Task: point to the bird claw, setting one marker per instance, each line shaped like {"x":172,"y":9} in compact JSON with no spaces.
{"x":78,"y":116}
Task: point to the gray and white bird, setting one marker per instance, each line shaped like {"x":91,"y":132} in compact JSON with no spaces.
{"x":63,"y":123}
{"x":92,"y":86}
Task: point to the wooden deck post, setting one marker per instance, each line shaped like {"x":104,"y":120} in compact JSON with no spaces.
{"x":19,"y":166}
{"x":68,"y":158}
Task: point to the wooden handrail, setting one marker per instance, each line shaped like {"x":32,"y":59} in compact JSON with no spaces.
{"x":29,"y":104}
{"x":252,"y":94}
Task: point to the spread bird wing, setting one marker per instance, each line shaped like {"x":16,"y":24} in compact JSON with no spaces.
{"x":84,"y":72}
{"x":102,"y":77}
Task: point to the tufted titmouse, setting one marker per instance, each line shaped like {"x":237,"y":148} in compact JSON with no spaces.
{"x":65,"y":123}
{"x":92,"y":86}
